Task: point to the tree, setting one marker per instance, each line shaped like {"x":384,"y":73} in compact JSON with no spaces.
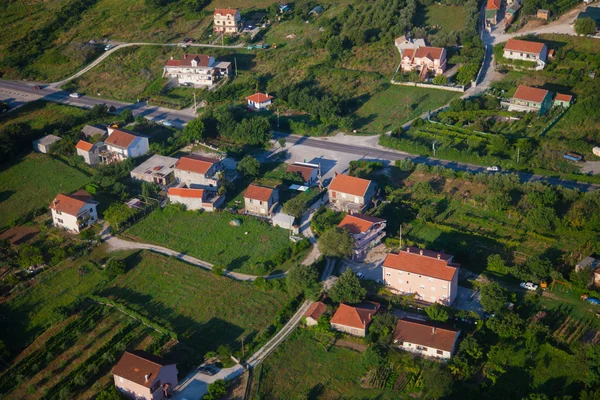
{"x":471,"y":347}
{"x":382,"y":328}
{"x":334,"y":47}
{"x":427,"y":212}
{"x":585,"y":26}
{"x":582,"y":278}
{"x":149,"y":190}
{"x":440,"y":80}
{"x":216,"y":390}
{"x":374,"y":356}
{"x":29,"y":256}
{"x":115,"y":267}
{"x":541,"y":219}
{"x":295,"y":207}
{"x":281,"y":142}
{"x":537,"y":268}
{"x":111,"y":393}
{"x":493,"y":297}
{"x":218,"y":270}
{"x":437,"y":382}
{"x":437,"y":312}
{"x":127,"y":116}
{"x":249,"y":166}
{"x":194,"y":131}
{"x":347,"y":288}
{"x":303,"y":279}
{"x":118,"y":214}
{"x":336,"y":242}
{"x":495,"y":263}
{"x":592,"y":361}
{"x":507,"y":326}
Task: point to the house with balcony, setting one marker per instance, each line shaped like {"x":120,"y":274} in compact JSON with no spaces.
{"x":195,"y":199}
{"x":425,"y":60}
{"x":526,"y":50}
{"x":196,"y":171}
{"x":348,"y":193}
{"x":367,"y":232}
{"x":199,"y":70}
{"x":157,"y":169}
{"x":354,"y":319}
{"x":530,"y":99}
{"x":121,"y":144}
{"x":492,"y":10}
{"x":309,"y":172}
{"x":426,"y":338}
{"x":226,"y":20}
{"x":89,"y":152}
{"x":260,"y":200}
{"x":430,"y":275}
{"x":73,"y":212}
{"x":143,"y":376}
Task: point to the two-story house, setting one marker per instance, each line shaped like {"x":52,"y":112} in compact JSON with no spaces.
{"x":73,"y":212}
{"x":424,"y":60}
{"x":260,"y":200}
{"x":430,"y":275}
{"x":196,"y":69}
{"x":354,"y":320}
{"x":121,"y":144}
{"x":348,"y":193}
{"x":144,"y":376}
{"x":426,"y":338}
{"x":492,"y":9}
{"x":525,"y":50}
{"x":157,"y":169}
{"x":309,"y":172}
{"x":367,"y":232}
{"x":531,"y":99}
{"x":226,"y":20}
{"x":196,"y":171}
{"x":89,"y":152}
{"x":195,"y":199}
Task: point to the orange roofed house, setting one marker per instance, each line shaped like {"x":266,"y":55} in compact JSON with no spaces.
{"x":309,"y":172}
{"x":354,"y":320}
{"x":140,"y":375}
{"x":195,"y":199}
{"x":196,"y":69}
{"x":491,"y":11}
{"x":430,"y":275}
{"x":89,"y":152}
{"x":73,"y":212}
{"x":121,"y":144}
{"x":525,"y":50}
{"x":348,"y":193}
{"x":259,"y":101}
{"x":314,"y":312}
{"x":424,"y":60}
{"x":426,"y":338}
{"x":531,"y":99}
{"x":226,"y":20}
{"x":367,"y":232}
{"x":197,"y":171}
{"x":260,"y":200}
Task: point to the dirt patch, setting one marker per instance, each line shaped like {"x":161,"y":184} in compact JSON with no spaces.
{"x":351,"y":345}
{"x":237,"y":387}
{"x":592,"y":336}
{"x":20,"y":234}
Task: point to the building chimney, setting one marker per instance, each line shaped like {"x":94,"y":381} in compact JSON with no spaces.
{"x":407,"y":249}
{"x":147,"y":377}
{"x":335,"y":174}
{"x":171,"y":57}
{"x":433,"y":331}
{"x":439,"y":256}
{"x":421,"y":252}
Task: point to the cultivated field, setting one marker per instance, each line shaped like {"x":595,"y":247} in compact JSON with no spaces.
{"x":448,"y":18}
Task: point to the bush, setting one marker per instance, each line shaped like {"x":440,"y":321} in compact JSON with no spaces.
{"x":115,"y":267}
{"x":405,"y":164}
{"x":218,"y":270}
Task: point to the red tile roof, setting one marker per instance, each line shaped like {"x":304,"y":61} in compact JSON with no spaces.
{"x":524,"y":46}
{"x":135,"y":365}
{"x":359,"y":316}
{"x":428,"y":264}
{"x":564,"y":97}
{"x":187,"y":193}
{"x":350,"y":185}
{"x":410,"y":53}
{"x":259,"y":98}
{"x":120,"y":138}
{"x":304,"y":170}
{"x":83,"y":145}
{"x":195,"y":163}
{"x":225,"y":11}
{"x":260,"y":193}
{"x":425,"y":334}
{"x":530,"y":94}
{"x":71,"y":204}
{"x":203,"y":60}
{"x":315,"y":310}
{"x":358,"y":223}
{"x":493,"y":4}
{"x":433,"y":53}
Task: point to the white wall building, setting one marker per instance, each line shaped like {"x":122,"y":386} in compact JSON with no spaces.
{"x":73,"y":212}
{"x":259,"y":101}
{"x":426,"y":338}
{"x":122,"y":144}
{"x":196,"y":69}
{"x":43,"y":145}
{"x":89,"y":152}
{"x":226,"y":20}
{"x":197,"y":171}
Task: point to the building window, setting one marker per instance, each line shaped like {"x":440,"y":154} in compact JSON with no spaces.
{"x":433,"y":288}
{"x":407,"y":282}
{"x":421,"y":348}
{"x":121,"y":380}
{"x":388,"y":274}
{"x":60,"y":221}
{"x":58,"y":212}
{"x":400,"y":273}
{"x":440,"y":353}
{"x":422,"y":286}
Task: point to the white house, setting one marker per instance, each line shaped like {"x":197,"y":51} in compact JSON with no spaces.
{"x":196,"y":69}
{"x":195,"y":199}
{"x":525,"y":50}
{"x":43,"y":145}
{"x":309,"y":172}
{"x":122,"y":144}
{"x":73,"y":212}
{"x":425,"y":338}
{"x":314,"y":312}
{"x":259,"y":101}
{"x":89,"y":152}
{"x":157,"y":169}
{"x":226,"y":20}
{"x":197,"y":171}
{"x":144,"y":376}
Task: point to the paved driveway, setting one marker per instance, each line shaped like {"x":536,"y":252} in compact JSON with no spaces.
{"x":371,"y":271}
{"x":468,"y":300}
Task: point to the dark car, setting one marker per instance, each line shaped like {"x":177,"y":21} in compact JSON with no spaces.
{"x":37,"y":87}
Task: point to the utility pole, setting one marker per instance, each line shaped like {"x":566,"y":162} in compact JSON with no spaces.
{"x":195,"y":106}
{"x":235,"y":61}
{"x":243,"y":349}
{"x":434,"y":149}
{"x":400,"y":236}
{"x":278,"y":118}
{"x":518,"y":154}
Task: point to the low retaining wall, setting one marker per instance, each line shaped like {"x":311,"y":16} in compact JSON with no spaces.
{"x":460,"y":89}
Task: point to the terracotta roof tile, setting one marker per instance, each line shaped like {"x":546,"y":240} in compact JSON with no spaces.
{"x":195,"y":163}
{"x":225,"y":11}
{"x":530,"y":94}
{"x":358,"y":316}
{"x":260,"y":193}
{"x":315,"y":310}
{"x":358,"y":223}
{"x":410,"y":260}
{"x":304,"y":170}
{"x":563,"y":97}
{"x":524,"y":46}
{"x":408,"y":53}
{"x":120,"y":138}
{"x":425,"y":334}
{"x":83,"y":145}
{"x":202,"y":60}
{"x":350,"y":185}
{"x":187,"y":193}
{"x":433,"y":53}
{"x":259,"y":98}
{"x":493,"y":4}
{"x":135,"y":365}
{"x":71,"y":204}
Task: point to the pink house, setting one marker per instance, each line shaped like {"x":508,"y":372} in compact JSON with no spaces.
{"x":424,"y":59}
{"x":430,"y":275}
{"x":142,"y":375}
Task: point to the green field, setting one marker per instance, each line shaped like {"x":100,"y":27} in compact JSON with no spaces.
{"x":32,"y":182}
{"x":448,"y":18}
{"x":209,"y":237}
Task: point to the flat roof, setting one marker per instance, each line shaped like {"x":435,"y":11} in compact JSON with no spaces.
{"x":156,"y":165}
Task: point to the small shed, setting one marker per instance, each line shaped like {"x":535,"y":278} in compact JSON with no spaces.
{"x":43,"y":145}
{"x":596,"y":151}
{"x":284,"y":221}
{"x":94,"y":130}
{"x":318,"y":10}
{"x":563,"y":100}
{"x":543,"y":14}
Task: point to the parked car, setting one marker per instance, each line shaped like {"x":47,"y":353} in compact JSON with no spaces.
{"x":184,"y":84}
{"x":529,"y":286}
{"x":108,"y":47}
{"x":493,"y":168}
{"x":37,"y":87}
{"x":74,"y":95}
{"x":206,"y":371}
{"x":164,"y":122}
{"x":360,"y":275}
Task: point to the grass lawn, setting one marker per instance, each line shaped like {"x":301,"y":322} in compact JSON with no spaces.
{"x":396,"y":105}
{"x":448,"y":18}
{"x":209,"y":237}
{"x":32,"y":182}
{"x":301,"y":368}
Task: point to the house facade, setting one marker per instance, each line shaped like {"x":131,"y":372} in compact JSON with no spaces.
{"x":525,"y":50}
{"x":44,"y":144}
{"x":424,"y":60}
{"x":157,"y":169}
{"x":314,"y":312}
{"x":563,"y":100}
{"x":143,"y":376}
{"x":491,"y":11}
{"x":531,"y":99}
{"x":196,"y":69}
{"x":226,"y":20}
{"x":196,"y":171}
{"x":309,"y":172}
{"x":426,"y":338}
{"x":347,"y":193}
{"x":431,"y":276}
{"x":122,"y":144}
{"x":260,"y":200}
{"x":259,"y":101}
{"x":196,"y":199}
{"x":89,"y":152}
{"x":73,"y":212}
{"x":354,"y":320}
{"x":367,"y":232}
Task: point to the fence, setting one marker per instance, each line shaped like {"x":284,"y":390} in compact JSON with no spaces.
{"x":460,"y":89}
